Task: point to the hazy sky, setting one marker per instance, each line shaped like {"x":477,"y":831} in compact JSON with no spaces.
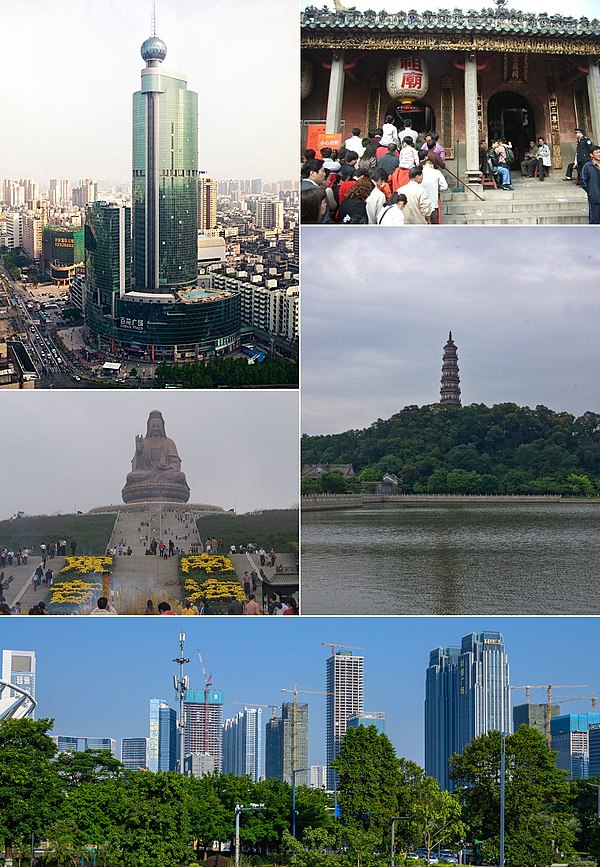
{"x":69,"y":69}
{"x":377,"y":305}
{"x":396,"y":652}
{"x":578,"y":9}
{"x":69,"y":450}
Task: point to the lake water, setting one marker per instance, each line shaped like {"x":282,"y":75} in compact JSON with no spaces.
{"x":452,"y":559}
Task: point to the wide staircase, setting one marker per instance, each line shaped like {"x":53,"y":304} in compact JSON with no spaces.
{"x":531,"y":203}
{"x":139,"y":576}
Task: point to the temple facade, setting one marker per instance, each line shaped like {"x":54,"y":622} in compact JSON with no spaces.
{"x":470,"y":76}
{"x":450,"y":388}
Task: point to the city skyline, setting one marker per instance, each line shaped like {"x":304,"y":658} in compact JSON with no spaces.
{"x":524,"y":336}
{"x":230,"y":454}
{"x":541,"y":650}
{"x":78,"y":146}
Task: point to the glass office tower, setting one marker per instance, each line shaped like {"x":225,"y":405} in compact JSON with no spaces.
{"x":467,"y":693}
{"x":165,"y":177}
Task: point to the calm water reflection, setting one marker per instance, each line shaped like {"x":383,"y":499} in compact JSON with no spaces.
{"x":452,"y":559}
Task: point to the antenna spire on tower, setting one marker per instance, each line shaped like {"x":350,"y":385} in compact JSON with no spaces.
{"x":153,"y":23}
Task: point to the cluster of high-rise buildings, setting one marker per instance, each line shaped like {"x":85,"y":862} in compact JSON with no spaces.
{"x":166,"y":275}
{"x":467,"y":693}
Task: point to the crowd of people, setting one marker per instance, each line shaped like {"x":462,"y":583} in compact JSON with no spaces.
{"x":393,"y":176}
{"x":390,"y":178}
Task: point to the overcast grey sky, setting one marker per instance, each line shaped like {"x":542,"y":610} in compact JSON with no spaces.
{"x":63,"y":450}
{"x":69,"y":69}
{"x":577,"y":9}
{"x":522,"y":303}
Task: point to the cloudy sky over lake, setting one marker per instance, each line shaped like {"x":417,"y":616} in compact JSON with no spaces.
{"x":63,"y":451}
{"x":70,"y":68}
{"x":522,"y":303}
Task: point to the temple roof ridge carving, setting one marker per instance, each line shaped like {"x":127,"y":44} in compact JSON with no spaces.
{"x":497,"y":19}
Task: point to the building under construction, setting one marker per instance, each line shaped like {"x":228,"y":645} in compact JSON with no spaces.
{"x":204,"y":724}
{"x":280,"y":746}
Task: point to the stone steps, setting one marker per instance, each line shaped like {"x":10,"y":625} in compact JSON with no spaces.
{"x":530,"y":203}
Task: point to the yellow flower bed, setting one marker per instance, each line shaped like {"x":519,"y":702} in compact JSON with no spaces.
{"x":208,"y":563}
{"x":84,"y":565}
{"x":212,"y":589}
{"x":72,"y":592}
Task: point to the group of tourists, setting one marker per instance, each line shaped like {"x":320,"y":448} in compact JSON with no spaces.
{"x":276,"y":605}
{"x":390,"y":178}
{"x":395,"y":177}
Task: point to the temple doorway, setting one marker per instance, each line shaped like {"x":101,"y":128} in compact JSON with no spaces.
{"x":421,"y":115}
{"x":510,"y":116}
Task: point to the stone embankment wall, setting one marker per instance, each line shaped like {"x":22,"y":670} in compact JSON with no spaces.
{"x":357,"y":501}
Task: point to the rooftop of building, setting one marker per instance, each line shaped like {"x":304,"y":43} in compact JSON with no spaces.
{"x":499,"y":20}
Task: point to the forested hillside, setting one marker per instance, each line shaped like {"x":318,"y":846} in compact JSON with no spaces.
{"x":472,"y":449}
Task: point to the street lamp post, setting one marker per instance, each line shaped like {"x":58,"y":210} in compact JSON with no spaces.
{"x":239,"y":809}
{"x":394,"y":820}
{"x":294,"y":772}
{"x":502,"y":793}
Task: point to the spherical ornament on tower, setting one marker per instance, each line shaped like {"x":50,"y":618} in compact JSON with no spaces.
{"x":153,"y":49}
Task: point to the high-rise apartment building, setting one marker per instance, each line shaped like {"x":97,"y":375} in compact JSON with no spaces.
{"x":18,"y":668}
{"x":162,"y":743}
{"x":32,"y":235}
{"x":345,"y":687}
{"x":467,"y":693}
{"x":286,"y":744}
{"x":204,"y":724}
{"x":570,"y":738}
{"x":134,"y":753}
{"x":318,"y":776}
{"x":207,"y":203}
{"x":85,"y":193}
{"x":58,"y":192}
{"x":269,"y":215}
{"x":242,"y":744}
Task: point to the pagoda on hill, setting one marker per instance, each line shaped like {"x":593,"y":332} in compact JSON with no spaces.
{"x":450,"y":389}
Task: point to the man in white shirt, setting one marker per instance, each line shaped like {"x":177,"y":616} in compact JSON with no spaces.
{"x":433,"y":183}
{"x":418,"y":204}
{"x":408,"y":130}
{"x":354,"y":143}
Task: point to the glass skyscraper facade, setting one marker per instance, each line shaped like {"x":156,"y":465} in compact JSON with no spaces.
{"x":345,"y":689}
{"x":242,"y":744}
{"x":162,"y":743}
{"x":165,"y":177}
{"x":134,"y":753}
{"x":467,"y":693}
{"x":107,"y":254}
{"x":143,"y":294}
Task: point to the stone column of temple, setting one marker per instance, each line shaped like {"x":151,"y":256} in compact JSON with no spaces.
{"x":593,"y":83}
{"x":336,"y":93}
{"x":471,"y":129}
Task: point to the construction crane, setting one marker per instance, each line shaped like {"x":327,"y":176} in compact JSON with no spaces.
{"x":297,"y":692}
{"x":343,"y":646}
{"x":207,"y":684}
{"x":548,"y":689}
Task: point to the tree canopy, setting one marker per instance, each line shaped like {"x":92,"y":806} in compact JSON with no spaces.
{"x":505,"y":449}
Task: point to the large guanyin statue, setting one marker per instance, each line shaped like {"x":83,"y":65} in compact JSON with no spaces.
{"x":156,"y":468}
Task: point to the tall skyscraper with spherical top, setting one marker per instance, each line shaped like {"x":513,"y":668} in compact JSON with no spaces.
{"x":165,"y":176}
{"x":450,"y":390}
